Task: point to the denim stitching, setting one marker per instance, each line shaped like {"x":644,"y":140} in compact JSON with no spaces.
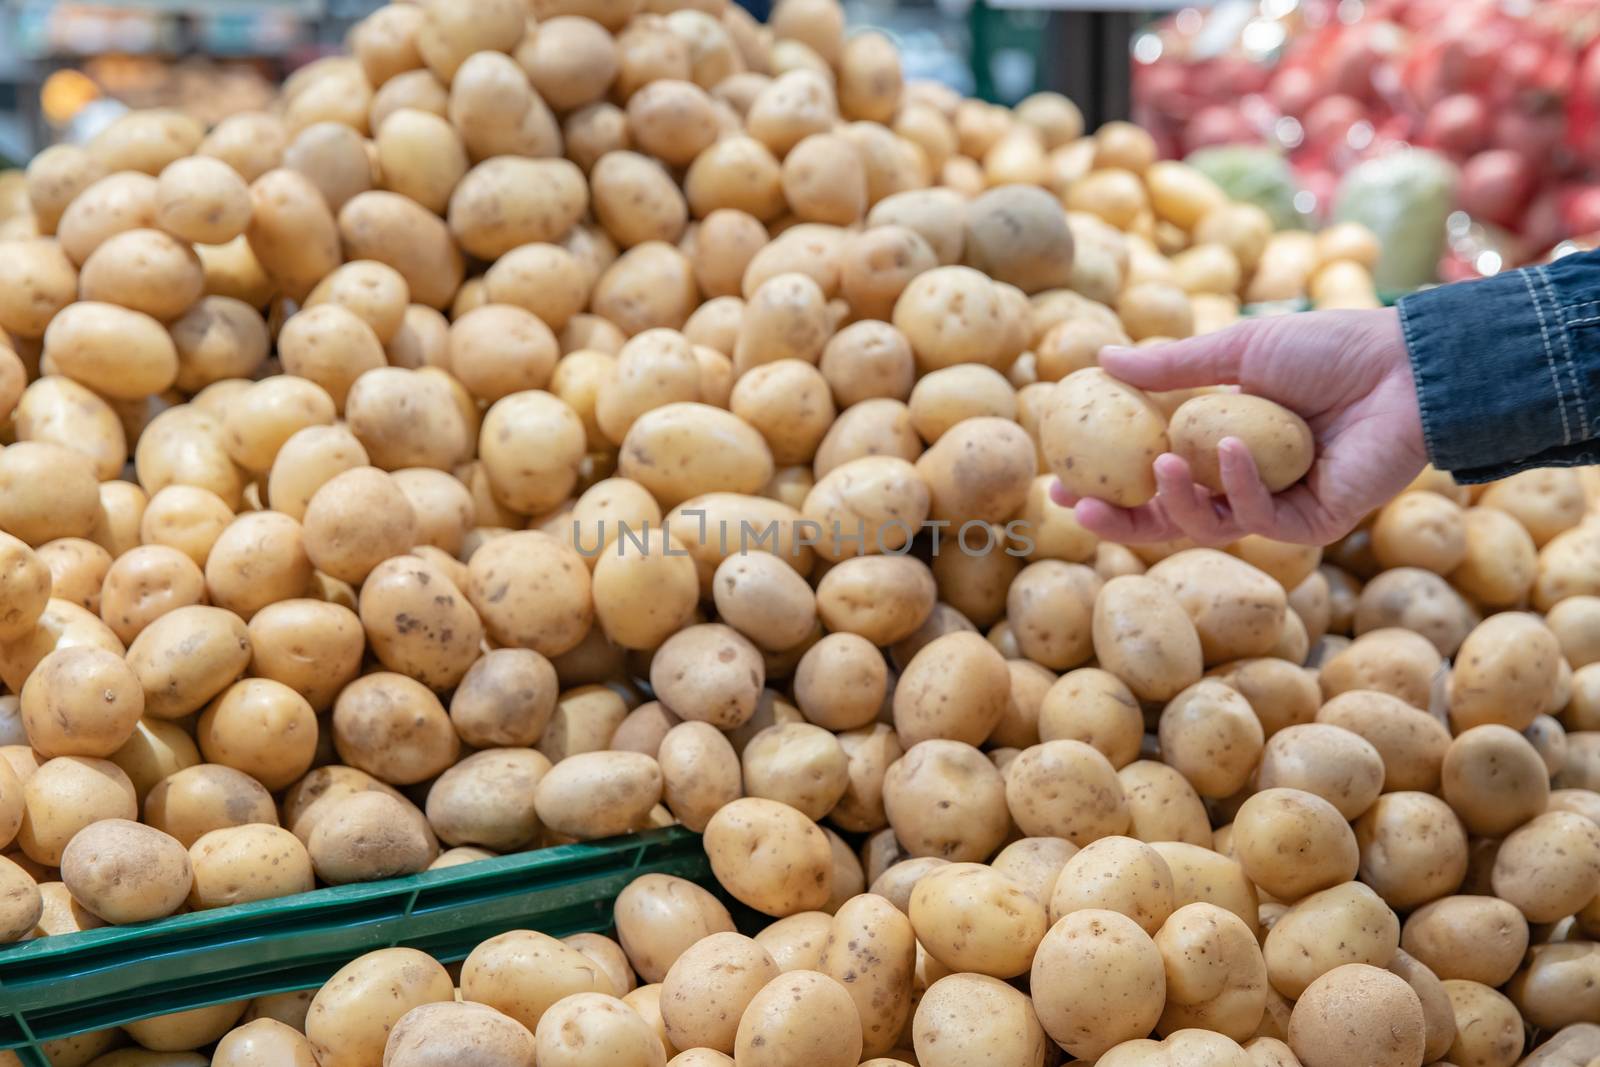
{"x":1415,"y":356}
{"x":1591,"y":320}
{"x":1586,"y":308}
{"x":1566,"y":347}
{"x":1555,"y":377}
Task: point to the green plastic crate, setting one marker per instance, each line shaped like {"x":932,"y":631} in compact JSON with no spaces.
{"x":58,"y":986}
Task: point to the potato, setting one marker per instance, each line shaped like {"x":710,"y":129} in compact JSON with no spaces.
{"x":1547,"y":992}
{"x":280,"y":635}
{"x":107,"y":206}
{"x":1018,"y":234}
{"x":951,"y":315}
{"x":1215,"y":977}
{"x":582,"y":1025}
{"x":682,"y":450}
{"x":1505,"y":673}
{"x":954,"y":688}
{"x":1279,"y":440}
{"x":1488,"y":1029}
{"x":239,"y":864}
{"x":119,"y":353}
{"x":1388,"y":660}
{"x":219,"y":338}
{"x":659,"y":916}
{"x":980,"y":469}
{"x":876,"y":427}
{"x":881,"y":598}
{"x":1358,"y":1014}
{"x":367,"y":836}
{"x":1075,"y":445}
{"x":684,"y":679}
{"x":1292,"y":843}
{"x":187,"y":656}
{"x":39,"y":282}
{"x":25,"y":587}
{"x":1093,"y":806}
{"x":1116,"y":874}
{"x":1420,"y":530}
{"x":81,"y":701}
{"x":631,"y":781}
{"x":351,"y":1017}
{"x":769,"y":856}
{"x":1410,"y":742}
{"x":708,"y":987}
{"x":431,"y":1035}
{"x":1341,"y":767}
{"x":1545,"y":865}
{"x":1500,"y":563}
{"x":1413,"y":848}
{"x":394,"y":728}
{"x":125,"y":872}
{"x":789,"y":404}
{"x":55,"y":177}
{"x":1143,"y":636}
{"x":1095,"y":707}
{"x":65,"y":795}
{"x":763,"y":598}
{"x":1098,"y":980}
{"x":1473,"y":938}
{"x":185,"y":1030}
{"x":1210,"y":735}
{"x":198,"y":799}
{"x":1494,"y":779}
{"x":1299,"y":950}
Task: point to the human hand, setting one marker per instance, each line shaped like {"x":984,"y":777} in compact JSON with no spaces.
{"x":1345,"y":372}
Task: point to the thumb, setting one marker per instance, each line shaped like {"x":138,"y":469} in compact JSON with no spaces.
{"x":1213,"y":359}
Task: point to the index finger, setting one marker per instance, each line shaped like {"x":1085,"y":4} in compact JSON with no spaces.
{"x":1211,"y":359}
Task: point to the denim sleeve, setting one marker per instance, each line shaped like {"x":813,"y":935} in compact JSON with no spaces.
{"x":1508,"y":369}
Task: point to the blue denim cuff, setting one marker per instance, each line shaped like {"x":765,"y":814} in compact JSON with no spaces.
{"x":1508,"y":369}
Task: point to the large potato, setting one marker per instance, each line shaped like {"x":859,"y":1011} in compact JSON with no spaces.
{"x":770,"y":856}
{"x":350,"y":1018}
{"x":1098,"y":980}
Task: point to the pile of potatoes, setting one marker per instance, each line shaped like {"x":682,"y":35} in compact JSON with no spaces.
{"x":561,"y":419}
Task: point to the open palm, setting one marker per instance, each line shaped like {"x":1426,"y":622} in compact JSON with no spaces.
{"x":1345,"y":372}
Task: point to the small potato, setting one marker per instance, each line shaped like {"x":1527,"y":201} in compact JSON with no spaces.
{"x":1095,"y":707}
{"x":356,"y":520}
{"x":365,"y":837}
{"x":219,"y":338}
{"x":789,"y":404}
{"x":39,"y":282}
{"x":550,"y":624}
{"x":25,"y":587}
{"x":1410,"y":742}
{"x":979,"y":470}
{"x":682,"y":450}
{"x":954,"y":688}
{"x":708,"y":673}
{"x":1388,"y":660}
{"x":108,"y":206}
{"x":1237,"y":610}
{"x":1477,"y":939}
{"x":394,"y":728}
{"x":351,"y":1017}
{"x":585,"y":1025}
{"x":659,"y":916}
{"x":630,"y":780}
{"x":1077,"y":448}
{"x":951,"y":315}
{"x":262,"y":728}
{"x":1066,"y":789}
{"x":196,"y":800}
{"x":1505,"y":672}
{"x":441,"y":1033}
{"x":120,"y":353}
{"x":1277,"y":438}
{"x":1098,"y":981}
{"x":965,"y":1018}
{"x":882,"y":598}
{"x":418,"y":622}
{"x":1489,"y":1032}
{"x":1292,"y":843}
{"x":1143,"y":636}
{"x":1358,"y":1014}
{"x":185,"y":1030}
{"x":125,"y":872}
{"x":764,"y":599}
{"x":65,"y":795}
{"x":972,"y":918}
{"x":187,"y":656}
{"x":752,"y":840}
{"x":1210,"y":734}
{"x":708,"y":987}
{"x":1116,"y":874}
{"x":1298,"y":950}
{"x":1545,"y":866}
{"x":1494,"y":780}
{"x":1332,"y":763}
{"x":81,"y":701}
{"x":282,"y":634}
{"x":1216,"y":979}
{"x":700,"y":772}
{"x":397,"y":231}
{"x":239,"y":864}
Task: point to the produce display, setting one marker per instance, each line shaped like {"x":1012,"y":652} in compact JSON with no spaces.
{"x":544,"y":427}
{"x":1504,"y":98}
